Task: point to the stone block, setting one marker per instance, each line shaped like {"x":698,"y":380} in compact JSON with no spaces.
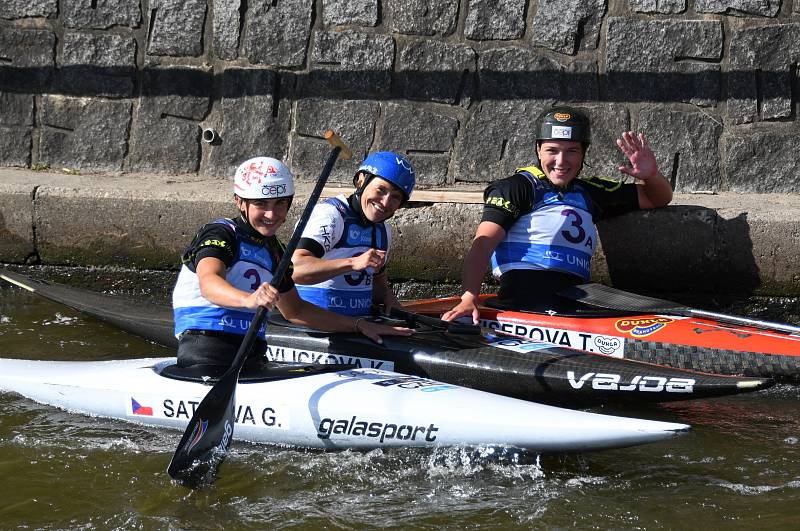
{"x":84,"y":133}
{"x":276,"y":33}
{"x":424,"y":136}
{"x":27,"y":57}
{"x":433,"y":70}
{"x":350,"y":12}
{"x":496,"y":139}
{"x":165,"y":136}
{"x":686,"y":147}
{"x":495,"y":19}
{"x":107,"y":50}
{"x":15,"y":149}
{"x":422,"y":17}
{"x":665,"y":7}
{"x":27,"y":48}
{"x":567,"y":26}
{"x":763,"y":8}
{"x":664,"y":60}
{"x":353,"y":120}
{"x":16,"y":220}
{"x":762,"y":63}
{"x":104,"y":15}
{"x":14,"y":9}
{"x":409,"y":127}
{"x":225,"y":24}
{"x":350,"y":62}
{"x":253,"y":121}
{"x":517,"y":73}
{"x":16,"y":109}
{"x":16,"y":122}
{"x":177,"y":27}
{"x":97,"y":65}
{"x":763,"y":162}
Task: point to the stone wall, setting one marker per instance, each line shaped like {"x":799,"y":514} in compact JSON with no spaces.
{"x":129,"y":85}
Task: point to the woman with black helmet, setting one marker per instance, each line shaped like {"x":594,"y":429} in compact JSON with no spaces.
{"x":538,"y":226}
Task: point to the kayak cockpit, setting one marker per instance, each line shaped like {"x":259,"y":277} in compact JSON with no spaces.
{"x":269,"y":371}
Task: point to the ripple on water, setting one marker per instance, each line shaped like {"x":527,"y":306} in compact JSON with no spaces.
{"x":740,"y":466}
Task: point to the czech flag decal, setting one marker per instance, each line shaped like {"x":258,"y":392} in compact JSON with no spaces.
{"x":139,"y":409}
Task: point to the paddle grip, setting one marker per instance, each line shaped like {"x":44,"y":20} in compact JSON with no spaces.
{"x":334,"y":140}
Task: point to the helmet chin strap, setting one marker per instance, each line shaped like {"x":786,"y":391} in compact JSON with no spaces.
{"x":358,"y":193}
{"x":360,"y":189}
{"x":245,"y":215}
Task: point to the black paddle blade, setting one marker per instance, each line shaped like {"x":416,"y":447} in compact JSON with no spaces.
{"x":614,"y":299}
{"x":208,"y":436}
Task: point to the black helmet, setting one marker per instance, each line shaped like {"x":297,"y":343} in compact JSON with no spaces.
{"x":564,"y":123}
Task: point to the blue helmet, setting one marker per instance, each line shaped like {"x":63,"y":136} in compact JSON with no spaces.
{"x":391,"y":167}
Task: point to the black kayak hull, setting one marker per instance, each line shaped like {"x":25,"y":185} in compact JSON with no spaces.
{"x":492,"y":362}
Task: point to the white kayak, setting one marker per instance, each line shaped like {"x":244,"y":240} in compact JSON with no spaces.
{"x":356,"y":408}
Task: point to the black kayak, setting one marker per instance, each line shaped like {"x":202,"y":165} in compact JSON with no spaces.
{"x":489,"y":360}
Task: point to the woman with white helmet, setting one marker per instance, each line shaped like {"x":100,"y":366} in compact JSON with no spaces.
{"x":227,"y":269}
{"x":340,"y":262}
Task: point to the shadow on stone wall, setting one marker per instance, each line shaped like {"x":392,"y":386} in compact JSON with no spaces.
{"x":697,"y":250}
{"x":437,"y":86}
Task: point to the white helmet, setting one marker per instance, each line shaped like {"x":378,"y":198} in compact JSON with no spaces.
{"x":263,"y":178}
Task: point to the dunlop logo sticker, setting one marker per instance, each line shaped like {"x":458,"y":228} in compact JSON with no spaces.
{"x":642,"y":327}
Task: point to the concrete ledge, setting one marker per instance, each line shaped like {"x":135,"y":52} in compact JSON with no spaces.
{"x":727,"y":243}
{"x":16,"y":224}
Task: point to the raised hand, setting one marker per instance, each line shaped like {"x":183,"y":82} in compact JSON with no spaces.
{"x":642,"y":161}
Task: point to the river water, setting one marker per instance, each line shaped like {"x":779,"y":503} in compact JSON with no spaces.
{"x":739,"y":467}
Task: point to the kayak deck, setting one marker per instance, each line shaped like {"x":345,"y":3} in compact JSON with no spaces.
{"x":691,"y":343}
{"x":356,"y":409}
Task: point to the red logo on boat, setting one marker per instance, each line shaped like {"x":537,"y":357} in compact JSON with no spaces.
{"x":139,"y":409}
{"x":642,"y":327}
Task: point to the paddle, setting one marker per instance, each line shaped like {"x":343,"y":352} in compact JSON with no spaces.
{"x":450,"y":326}
{"x":209,"y":434}
{"x":606,"y":297}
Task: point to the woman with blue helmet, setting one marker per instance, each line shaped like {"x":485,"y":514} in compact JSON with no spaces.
{"x":340,"y":262}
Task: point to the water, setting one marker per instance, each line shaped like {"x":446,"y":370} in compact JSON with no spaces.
{"x":739,"y":468}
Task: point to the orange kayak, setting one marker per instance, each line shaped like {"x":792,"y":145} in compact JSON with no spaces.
{"x":686,"y":342}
